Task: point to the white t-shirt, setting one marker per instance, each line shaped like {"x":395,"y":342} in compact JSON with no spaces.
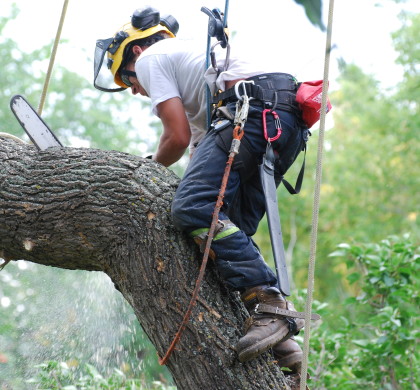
{"x":176,"y":68}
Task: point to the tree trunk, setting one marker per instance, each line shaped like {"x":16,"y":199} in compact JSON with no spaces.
{"x":108,"y":211}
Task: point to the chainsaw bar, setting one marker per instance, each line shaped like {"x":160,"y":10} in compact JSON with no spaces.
{"x":37,"y":130}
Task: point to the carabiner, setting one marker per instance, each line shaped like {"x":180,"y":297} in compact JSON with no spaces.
{"x":276,"y":121}
{"x":238,"y":84}
{"x":213,"y":58}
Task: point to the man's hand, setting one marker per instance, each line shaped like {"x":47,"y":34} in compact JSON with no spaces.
{"x":176,"y":132}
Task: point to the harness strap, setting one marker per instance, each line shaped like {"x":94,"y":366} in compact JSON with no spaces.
{"x":262,"y":308}
{"x":269,"y":97}
{"x":268,"y":88}
{"x":296,"y":189}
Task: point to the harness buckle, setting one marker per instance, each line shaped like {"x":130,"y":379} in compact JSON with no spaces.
{"x":276,"y":122}
{"x":242,"y":108}
{"x":238,"y":84}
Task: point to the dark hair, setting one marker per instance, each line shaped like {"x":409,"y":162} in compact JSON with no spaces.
{"x":128,"y":54}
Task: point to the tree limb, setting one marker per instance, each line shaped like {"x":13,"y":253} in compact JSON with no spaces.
{"x":109,"y":211}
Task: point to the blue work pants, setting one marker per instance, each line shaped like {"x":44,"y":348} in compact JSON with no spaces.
{"x":238,"y":260}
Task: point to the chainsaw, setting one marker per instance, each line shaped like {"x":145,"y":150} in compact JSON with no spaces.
{"x":37,"y":130}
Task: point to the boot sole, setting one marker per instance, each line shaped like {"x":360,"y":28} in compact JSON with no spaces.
{"x":292,"y":361}
{"x":262,"y":346}
{"x":257,"y":349}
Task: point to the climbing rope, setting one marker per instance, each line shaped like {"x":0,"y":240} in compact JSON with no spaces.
{"x":217,"y":27}
{"x":238,"y":132}
{"x":13,"y":137}
{"x":52,"y":58}
{"x":315,"y":214}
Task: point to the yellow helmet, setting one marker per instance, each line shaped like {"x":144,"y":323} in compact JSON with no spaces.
{"x":129,"y":34}
{"x":144,"y":23}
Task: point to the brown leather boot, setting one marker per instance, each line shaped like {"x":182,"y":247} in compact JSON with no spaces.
{"x":270,"y":323}
{"x":288,"y":354}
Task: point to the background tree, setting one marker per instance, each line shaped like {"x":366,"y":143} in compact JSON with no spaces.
{"x":87,"y":326}
{"x":368,"y":192}
{"x":369,"y":174}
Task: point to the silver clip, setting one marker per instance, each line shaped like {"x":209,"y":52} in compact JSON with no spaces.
{"x":213,"y":58}
{"x":238,"y":84}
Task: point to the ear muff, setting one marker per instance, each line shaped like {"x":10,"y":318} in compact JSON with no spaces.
{"x":144,"y":18}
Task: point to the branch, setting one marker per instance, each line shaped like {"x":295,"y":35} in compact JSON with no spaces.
{"x":109,"y":211}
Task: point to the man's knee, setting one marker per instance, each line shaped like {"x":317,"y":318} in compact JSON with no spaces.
{"x":180,"y":215}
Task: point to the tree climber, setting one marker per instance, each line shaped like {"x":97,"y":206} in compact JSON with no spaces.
{"x":147,"y":57}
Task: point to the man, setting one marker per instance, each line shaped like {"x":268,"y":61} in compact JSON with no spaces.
{"x":146,"y":57}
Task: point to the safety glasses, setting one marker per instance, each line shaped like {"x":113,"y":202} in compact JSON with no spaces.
{"x":125,"y":74}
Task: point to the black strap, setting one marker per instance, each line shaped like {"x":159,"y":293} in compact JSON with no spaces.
{"x":296,"y":189}
{"x":286,"y":97}
{"x":267,"y":88}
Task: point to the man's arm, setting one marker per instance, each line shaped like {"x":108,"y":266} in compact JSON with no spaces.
{"x":176,"y":132}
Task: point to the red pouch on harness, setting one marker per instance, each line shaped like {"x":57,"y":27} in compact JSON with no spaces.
{"x":309,"y":98}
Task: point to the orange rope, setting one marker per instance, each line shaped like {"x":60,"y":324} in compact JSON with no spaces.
{"x":237,"y":135}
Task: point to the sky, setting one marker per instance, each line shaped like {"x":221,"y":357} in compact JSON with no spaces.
{"x":274,"y":34}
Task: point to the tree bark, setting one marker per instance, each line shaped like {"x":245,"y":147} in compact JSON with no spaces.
{"x":109,"y":211}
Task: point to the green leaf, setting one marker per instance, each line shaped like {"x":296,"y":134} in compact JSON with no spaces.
{"x":313,"y":9}
{"x":344,"y":245}
{"x":350,"y":300}
{"x":382,"y":339}
{"x":354,"y":277}
{"x":339,"y":253}
{"x":389,"y":281}
{"x":361,"y":343}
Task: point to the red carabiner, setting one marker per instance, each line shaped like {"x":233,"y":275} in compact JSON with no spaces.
{"x":276,"y":121}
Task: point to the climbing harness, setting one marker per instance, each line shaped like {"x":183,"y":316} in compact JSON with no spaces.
{"x":241,"y":116}
{"x":315,"y":215}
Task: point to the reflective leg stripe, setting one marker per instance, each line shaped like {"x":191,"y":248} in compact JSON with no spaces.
{"x":199,"y":233}
{"x":226,"y":233}
{"x":223,"y":229}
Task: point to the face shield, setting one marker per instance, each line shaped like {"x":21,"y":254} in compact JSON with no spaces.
{"x":145,"y":22}
{"x":103,"y":78}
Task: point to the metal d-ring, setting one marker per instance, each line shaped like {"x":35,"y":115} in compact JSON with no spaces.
{"x":239,"y":83}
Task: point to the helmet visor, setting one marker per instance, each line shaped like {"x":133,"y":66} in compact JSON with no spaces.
{"x":103,"y":78}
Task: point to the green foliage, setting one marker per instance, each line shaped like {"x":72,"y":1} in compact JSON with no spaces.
{"x":374,"y":343}
{"x":369,"y":179}
{"x":69,"y":316}
{"x":74,"y":110}
{"x":406,"y":41}
{"x":313,"y":10}
{"x":58,"y":375}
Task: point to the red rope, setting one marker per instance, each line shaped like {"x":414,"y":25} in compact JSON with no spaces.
{"x":237,"y":135}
